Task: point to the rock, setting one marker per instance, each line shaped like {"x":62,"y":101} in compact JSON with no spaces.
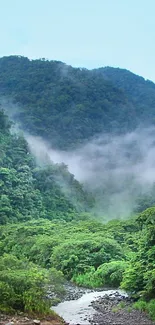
{"x":36,"y":321}
{"x":10,"y":323}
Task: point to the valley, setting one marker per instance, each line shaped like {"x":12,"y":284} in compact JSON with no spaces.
{"x":77,"y":190}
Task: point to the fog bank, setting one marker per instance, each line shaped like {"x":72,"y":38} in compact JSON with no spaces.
{"x":118,"y":170}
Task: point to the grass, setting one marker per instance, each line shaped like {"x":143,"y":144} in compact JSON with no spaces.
{"x":148,"y":307}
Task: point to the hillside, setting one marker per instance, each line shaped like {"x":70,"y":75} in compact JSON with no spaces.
{"x":29,"y":191}
{"x":69,"y":105}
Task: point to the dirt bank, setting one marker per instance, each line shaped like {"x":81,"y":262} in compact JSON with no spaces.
{"x":25,"y":320}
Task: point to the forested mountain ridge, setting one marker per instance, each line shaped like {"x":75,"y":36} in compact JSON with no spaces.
{"x":69,"y":105}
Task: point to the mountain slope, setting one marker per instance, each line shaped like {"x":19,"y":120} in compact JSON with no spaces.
{"x":63,"y":104}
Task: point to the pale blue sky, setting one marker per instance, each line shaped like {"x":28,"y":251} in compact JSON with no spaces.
{"x":85,"y":33}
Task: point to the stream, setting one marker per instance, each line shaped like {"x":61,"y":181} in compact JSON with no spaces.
{"x":78,"y":309}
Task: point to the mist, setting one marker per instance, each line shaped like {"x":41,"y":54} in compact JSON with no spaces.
{"x":118,"y":170}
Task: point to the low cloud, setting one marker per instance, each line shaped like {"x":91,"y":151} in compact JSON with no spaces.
{"x":118,"y":170}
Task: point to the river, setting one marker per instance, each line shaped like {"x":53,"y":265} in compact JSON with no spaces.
{"x":80,"y":311}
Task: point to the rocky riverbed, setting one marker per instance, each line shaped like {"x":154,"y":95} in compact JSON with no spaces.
{"x":117,"y":310}
{"x":73,"y":292}
{"x":81,"y":311}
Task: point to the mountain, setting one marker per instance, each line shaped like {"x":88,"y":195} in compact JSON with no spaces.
{"x":69,"y":105}
{"x":45,"y":231}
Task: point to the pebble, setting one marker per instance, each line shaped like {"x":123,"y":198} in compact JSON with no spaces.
{"x":36,"y":321}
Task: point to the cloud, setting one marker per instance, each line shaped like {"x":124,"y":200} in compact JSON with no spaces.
{"x":118,"y":170}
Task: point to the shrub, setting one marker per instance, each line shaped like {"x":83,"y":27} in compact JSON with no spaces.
{"x":151,"y":308}
{"x":87,"y":279}
{"x":140,"y":305}
{"x":110,"y":274}
{"x":24,"y":286}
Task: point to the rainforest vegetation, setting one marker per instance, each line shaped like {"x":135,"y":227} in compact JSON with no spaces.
{"x":47,"y":234}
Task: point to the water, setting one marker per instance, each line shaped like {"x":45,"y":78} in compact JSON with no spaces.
{"x":80,"y":311}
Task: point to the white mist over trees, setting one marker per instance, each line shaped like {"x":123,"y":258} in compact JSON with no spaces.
{"x":96,"y":122}
{"x":118,"y":170}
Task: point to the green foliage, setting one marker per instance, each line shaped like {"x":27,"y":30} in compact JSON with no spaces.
{"x":82,"y":250}
{"x":74,"y":256}
{"x":69,"y":246}
{"x":87,"y":279}
{"x":140,"y":305}
{"x":131,"y":281}
{"x":24,"y":285}
{"x":151,"y":308}
{"x":146,"y":306}
{"x":142,"y":263}
{"x":110,"y":274}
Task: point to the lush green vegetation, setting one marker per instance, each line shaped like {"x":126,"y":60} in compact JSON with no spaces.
{"x":24,"y":285}
{"x":47,"y":233}
{"x":149,"y":307}
{"x":86,"y":252}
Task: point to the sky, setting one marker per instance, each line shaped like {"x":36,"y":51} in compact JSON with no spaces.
{"x":82,"y":33}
